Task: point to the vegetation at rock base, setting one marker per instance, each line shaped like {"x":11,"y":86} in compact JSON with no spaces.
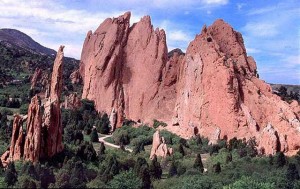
{"x":229,"y":164}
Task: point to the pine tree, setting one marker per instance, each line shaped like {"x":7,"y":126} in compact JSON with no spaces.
{"x":155,"y":168}
{"x":280,"y":160}
{"x":139,"y":164}
{"x":173,"y":169}
{"x":198,"y":163}
{"x":198,"y":140}
{"x":11,"y":176}
{"x":181,"y":150}
{"x":217,"y":167}
{"x":94,"y":136}
{"x":229,"y":158}
{"x":101,"y":149}
{"x":145,"y":176}
{"x":292,"y":172}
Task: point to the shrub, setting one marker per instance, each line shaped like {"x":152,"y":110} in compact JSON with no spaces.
{"x":249,"y":183}
{"x":157,"y":123}
{"x":94,"y":136}
{"x":124,"y":180}
{"x":155,"y":168}
{"x":172,"y":170}
{"x":24,"y":109}
{"x":198,"y":163}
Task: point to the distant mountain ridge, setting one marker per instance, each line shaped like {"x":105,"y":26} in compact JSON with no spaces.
{"x":20,"y":39}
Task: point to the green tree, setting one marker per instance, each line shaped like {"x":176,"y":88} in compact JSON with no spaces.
{"x":292,"y":172}
{"x":280,"y":159}
{"x":145,"y":176}
{"x":94,"y":136}
{"x":126,"y":180}
{"x":155,"y":169}
{"x":10,"y":176}
{"x":172,"y":169}
{"x":101,"y":150}
{"x":25,"y":181}
{"x":217,"y":167}
{"x":102,"y":125}
{"x":249,"y":183}
{"x":181,"y":150}
{"x":198,"y":163}
{"x":113,"y":167}
{"x":46,"y":176}
{"x":141,"y":162}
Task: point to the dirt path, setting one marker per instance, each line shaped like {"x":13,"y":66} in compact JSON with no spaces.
{"x":101,"y":139}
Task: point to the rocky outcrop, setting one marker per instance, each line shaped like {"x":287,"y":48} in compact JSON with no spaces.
{"x":35,"y":77}
{"x":15,"y":152}
{"x":72,"y":101}
{"x":212,"y":90}
{"x":269,"y":140}
{"x":129,"y":62}
{"x":218,"y":89}
{"x":75,"y":77}
{"x":159,"y":147}
{"x":33,"y":141}
{"x":43,"y":137}
{"x":39,"y":79}
{"x":52,"y":112}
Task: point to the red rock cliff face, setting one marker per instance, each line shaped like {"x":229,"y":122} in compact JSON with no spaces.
{"x":212,"y":90}
{"x":122,"y":68}
{"x":218,"y":92}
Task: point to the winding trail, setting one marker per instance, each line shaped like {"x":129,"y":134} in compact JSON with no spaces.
{"x":101,"y":139}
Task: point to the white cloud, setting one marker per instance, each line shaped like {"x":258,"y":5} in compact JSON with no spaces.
{"x":179,"y":36}
{"x":216,"y":2}
{"x":261,"y":29}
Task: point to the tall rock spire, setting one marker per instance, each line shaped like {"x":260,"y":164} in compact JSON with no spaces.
{"x":52,"y":112}
{"x":43,"y":137}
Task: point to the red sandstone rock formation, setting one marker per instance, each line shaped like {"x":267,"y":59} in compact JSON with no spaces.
{"x":159,"y":147}
{"x":213,"y":89}
{"x":131,"y":63}
{"x":218,"y":90}
{"x":36,"y":75}
{"x":72,"y":101}
{"x":15,"y":151}
{"x":76,"y":77}
{"x":44,"y":130}
{"x":39,"y":78}
{"x":52,"y":112}
{"x":33,"y":141}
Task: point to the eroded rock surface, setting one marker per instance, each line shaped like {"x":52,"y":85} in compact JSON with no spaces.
{"x":72,"y":101}
{"x":43,"y":138}
{"x":159,"y":147}
{"x":212,"y":90}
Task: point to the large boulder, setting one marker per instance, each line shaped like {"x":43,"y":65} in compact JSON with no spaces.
{"x":159,"y":147}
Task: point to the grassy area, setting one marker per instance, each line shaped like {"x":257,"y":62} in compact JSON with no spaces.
{"x":109,"y":139}
{"x":14,"y":110}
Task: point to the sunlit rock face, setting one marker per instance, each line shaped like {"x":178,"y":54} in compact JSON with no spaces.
{"x":212,"y":90}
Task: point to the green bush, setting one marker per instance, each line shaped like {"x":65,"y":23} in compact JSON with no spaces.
{"x":24,"y":109}
{"x":157,"y":123}
{"x":94,"y":136}
{"x":249,"y":183}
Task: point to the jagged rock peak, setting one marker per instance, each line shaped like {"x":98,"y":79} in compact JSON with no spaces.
{"x":56,"y":80}
{"x":44,"y":130}
{"x":212,"y":90}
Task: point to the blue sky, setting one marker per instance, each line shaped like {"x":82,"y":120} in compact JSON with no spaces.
{"x":271,"y":28}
